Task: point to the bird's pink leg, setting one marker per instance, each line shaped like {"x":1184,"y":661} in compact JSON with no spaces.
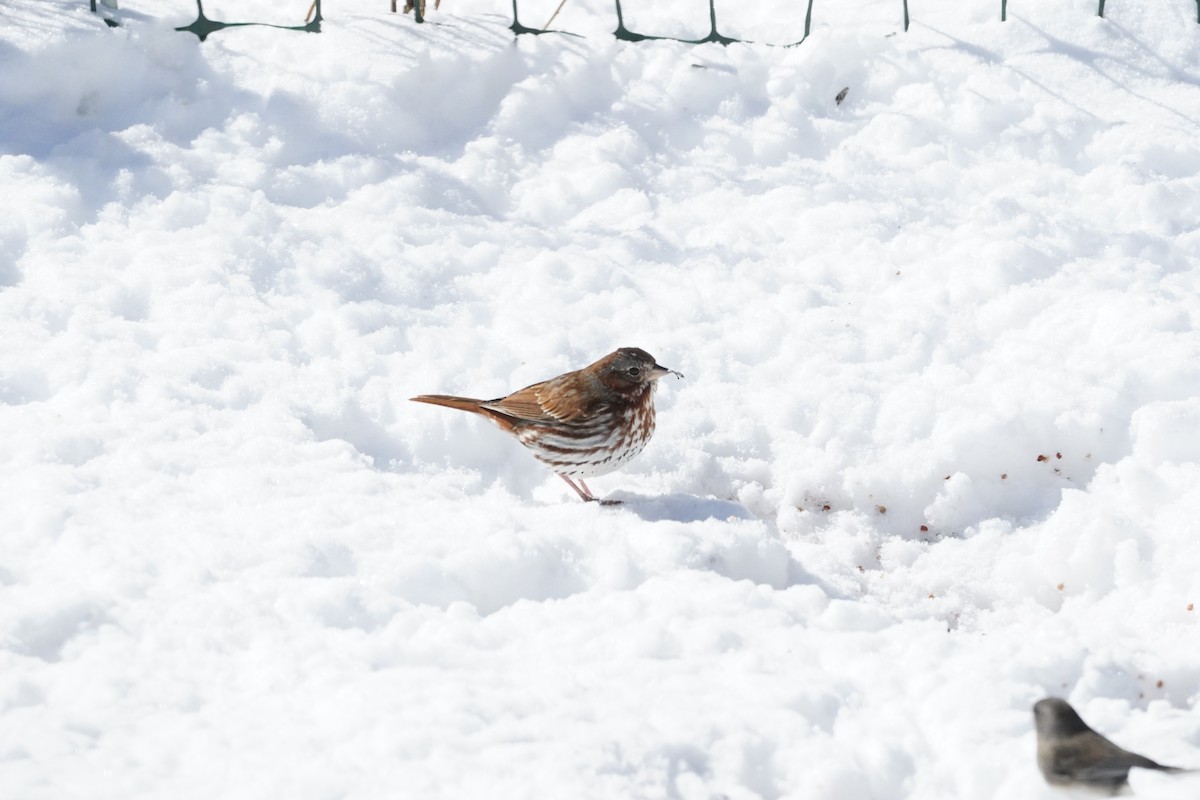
{"x":585,"y":493}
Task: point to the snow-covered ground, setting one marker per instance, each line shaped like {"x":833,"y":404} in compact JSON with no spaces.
{"x":937,"y":454}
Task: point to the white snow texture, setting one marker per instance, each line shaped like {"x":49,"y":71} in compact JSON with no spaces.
{"x":937,"y":453}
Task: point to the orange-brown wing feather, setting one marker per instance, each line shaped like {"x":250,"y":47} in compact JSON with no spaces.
{"x":561,"y":399}
{"x":522,"y":404}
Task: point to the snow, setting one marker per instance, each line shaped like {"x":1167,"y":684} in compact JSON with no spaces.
{"x":937,"y":454}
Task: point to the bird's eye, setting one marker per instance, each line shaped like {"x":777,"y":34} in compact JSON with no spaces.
{"x":634,"y":371}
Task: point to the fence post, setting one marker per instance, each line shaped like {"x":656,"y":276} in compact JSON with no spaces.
{"x":808,"y":19}
{"x":906,"y":16}
{"x":1004,"y":9}
{"x":518,"y":28}
{"x":626,"y":35}
{"x":713,"y":35}
{"x":1100,"y":13}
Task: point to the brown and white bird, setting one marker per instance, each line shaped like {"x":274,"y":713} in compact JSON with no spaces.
{"x":581,"y":424}
{"x":1069,"y":753}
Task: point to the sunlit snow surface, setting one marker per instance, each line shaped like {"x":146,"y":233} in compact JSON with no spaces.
{"x":937,"y":454}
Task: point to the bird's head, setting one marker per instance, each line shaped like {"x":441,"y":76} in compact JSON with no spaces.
{"x":1054,"y":718}
{"x":630,"y":368}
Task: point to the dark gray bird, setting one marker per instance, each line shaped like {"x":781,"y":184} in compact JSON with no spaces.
{"x":1069,"y":753}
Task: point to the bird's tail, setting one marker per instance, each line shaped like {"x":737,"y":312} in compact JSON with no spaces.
{"x":468,"y":404}
{"x":463,"y":403}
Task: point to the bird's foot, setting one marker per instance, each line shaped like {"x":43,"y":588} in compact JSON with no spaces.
{"x":585,"y":493}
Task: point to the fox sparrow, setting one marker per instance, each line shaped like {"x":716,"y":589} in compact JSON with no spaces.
{"x":581,"y":424}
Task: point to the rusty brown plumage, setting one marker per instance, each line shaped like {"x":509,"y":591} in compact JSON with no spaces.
{"x":583,"y":423}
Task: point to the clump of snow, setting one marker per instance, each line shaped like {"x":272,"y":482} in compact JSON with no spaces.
{"x":936,"y":456}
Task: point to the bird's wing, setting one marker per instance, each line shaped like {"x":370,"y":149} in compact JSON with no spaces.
{"x":522,"y":405}
{"x":557,"y":400}
{"x":1099,"y":760}
{"x":1120,"y":765}
{"x":1096,"y":773}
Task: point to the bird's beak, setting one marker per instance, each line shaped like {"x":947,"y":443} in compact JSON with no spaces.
{"x":657,"y":372}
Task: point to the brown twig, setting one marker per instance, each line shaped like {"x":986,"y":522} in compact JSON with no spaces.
{"x":555,"y":14}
